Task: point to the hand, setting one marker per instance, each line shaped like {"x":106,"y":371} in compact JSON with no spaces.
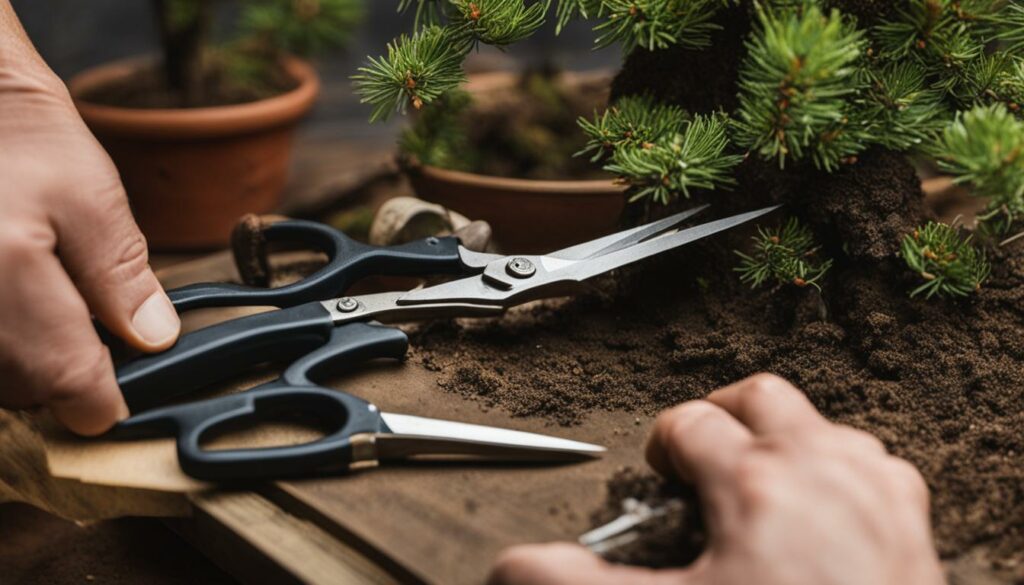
{"x":68,"y":248}
{"x":789,"y":498}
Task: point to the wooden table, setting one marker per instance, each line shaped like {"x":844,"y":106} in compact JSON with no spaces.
{"x":412,"y":523}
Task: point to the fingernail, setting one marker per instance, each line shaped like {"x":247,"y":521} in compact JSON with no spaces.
{"x":156,"y":321}
{"x":122,"y":412}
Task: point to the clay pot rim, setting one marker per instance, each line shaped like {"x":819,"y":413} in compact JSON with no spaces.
{"x":535,"y":187}
{"x":190,"y":123}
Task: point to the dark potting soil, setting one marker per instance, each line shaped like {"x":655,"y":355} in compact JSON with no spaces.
{"x":147,"y":89}
{"x":672,"y":540}
{"x":941,"y":382}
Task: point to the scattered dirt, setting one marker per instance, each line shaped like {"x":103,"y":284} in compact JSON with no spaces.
{"x":940,"y":382}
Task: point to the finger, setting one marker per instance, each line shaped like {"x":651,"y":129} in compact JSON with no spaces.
{"x":568,"y":564}
{"x":106,"y":255}
{"x":53,"y":352}
{"x":767,"y":404}
{"x":699,"y":442}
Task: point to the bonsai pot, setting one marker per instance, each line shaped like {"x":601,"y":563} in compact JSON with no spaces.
{"x":191,"y":173}
{"x":526,"y":215}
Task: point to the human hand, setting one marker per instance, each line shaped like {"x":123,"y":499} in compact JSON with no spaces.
{"x":789,"y":498}
{"x":68,"y":248}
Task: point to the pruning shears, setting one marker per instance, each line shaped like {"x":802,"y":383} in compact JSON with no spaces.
{"x":323,"y":330}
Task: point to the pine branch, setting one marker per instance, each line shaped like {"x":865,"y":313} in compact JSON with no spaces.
{"x":787,"y":255}
{"x":428,"y":12}
{"x":498,"y":22}
{"x":898,"y":111}
{"x":795,"y":87}
{"x":656,"y":24}
{"x":631,"y":122}
{"x":985,"y":147}
{"x":950,"y":265}
{"x":302,"y":27}
{"x":417,"y":70}
{"x":692,"y":158}
{"x":948,"y":38}
{"x":567,"y":10}
{"x":438,"y":135}
{"x":1010,"y":27}
{"x":991,"y":79}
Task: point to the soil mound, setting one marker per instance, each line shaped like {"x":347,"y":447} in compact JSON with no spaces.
{"x":940,"y":382}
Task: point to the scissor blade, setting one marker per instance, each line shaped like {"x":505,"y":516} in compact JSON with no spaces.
{"x":608,"y":262}
{"x":418,"y":436}
{"x":625,"y":238}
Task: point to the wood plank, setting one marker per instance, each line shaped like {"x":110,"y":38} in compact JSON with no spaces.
{"x":258,"y":542}
{"x":445,"y":523}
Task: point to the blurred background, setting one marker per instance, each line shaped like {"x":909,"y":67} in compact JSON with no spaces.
{"x":73,"y":35}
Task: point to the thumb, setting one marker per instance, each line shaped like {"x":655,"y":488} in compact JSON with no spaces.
{"x":569,"y":564}
{"x":106,"y":255}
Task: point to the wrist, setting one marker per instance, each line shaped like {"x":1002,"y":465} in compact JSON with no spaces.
{"x":22,"y":70}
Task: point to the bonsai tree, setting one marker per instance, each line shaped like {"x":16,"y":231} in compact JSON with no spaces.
{"x":818,"y":103}
{"x":248,"y":65}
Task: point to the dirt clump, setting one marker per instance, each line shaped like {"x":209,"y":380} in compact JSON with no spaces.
{"x":672,"y":540}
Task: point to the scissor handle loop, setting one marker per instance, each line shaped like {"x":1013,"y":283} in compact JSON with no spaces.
{"x":341,"y":415}
{"x":348,"y":261}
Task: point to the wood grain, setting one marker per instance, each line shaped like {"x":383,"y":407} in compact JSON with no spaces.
{"x":257,"y":542}
{"x":442,"y":523}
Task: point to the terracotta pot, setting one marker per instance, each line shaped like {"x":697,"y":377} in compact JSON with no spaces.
{"x":191,"y":173}
{"x":529,"y":216}
{"x":525,"y":215}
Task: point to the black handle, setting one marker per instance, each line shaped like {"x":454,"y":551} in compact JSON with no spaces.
{"x":348,"y":261}
{"x":350,"y":345}
{"x":341,"y":415}
{"x":221,"y":351}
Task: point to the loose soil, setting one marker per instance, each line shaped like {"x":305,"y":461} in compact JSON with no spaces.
{"x":147,"y":89}
{"x":530,"y":131}
{"x":941,"y":382}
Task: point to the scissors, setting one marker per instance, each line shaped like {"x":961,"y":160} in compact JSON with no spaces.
{"x":359,"y":433}
{"x":332,"y":331}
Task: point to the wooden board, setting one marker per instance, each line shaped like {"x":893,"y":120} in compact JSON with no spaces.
{"x":412,"y":523}
{"x":438,"y":523}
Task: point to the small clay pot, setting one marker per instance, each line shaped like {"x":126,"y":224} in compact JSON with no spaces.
{"x":526,"y":215}
{"x":191,"y":173}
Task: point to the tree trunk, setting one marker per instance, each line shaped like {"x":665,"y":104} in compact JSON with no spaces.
{"x":183,"y":28}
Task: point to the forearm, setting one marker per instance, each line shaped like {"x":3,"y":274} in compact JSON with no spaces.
{"x":21,"y":67}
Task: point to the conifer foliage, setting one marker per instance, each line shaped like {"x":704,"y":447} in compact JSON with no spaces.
{"x":787,"y":255}
{"x":948,"y":263}
{"x":817,"y":87}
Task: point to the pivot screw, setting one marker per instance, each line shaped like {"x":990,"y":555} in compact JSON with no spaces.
{"x":520,"y":267}
{"x":347,"y":305}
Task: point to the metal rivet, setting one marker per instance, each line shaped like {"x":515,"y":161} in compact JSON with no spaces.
{"x":347,"y":305}
{"x":520,"y":267}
